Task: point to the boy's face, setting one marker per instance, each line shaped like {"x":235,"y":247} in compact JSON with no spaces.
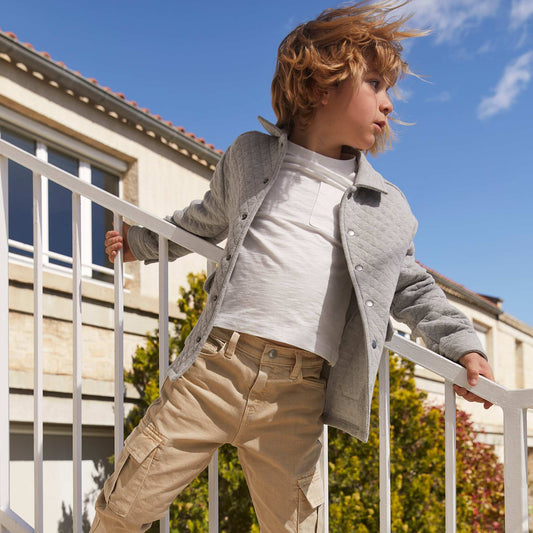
{"x":354,"y":116}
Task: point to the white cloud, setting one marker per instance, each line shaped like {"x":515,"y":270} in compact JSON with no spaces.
{"x":440,"y":98}
{"x":485,"y":48}
{"x":402,"y":95}
{"x":450,"y":19}
{"x":515,"y":80}
{"x":521,"y":10}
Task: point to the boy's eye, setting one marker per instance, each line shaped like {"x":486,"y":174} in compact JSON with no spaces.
{"x":375,"y":84}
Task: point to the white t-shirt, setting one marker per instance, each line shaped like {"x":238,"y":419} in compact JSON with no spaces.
{"x":291,"y":283}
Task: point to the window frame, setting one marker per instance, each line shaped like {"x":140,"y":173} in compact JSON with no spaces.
{"x":46,"y":138}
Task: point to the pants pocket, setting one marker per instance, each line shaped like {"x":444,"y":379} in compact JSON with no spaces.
{"x":310,"y":503}
{"x":140,"y":451}
{"x":212,"y":347}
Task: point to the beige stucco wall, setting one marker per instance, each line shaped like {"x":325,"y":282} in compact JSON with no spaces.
{"x":159,"y":179}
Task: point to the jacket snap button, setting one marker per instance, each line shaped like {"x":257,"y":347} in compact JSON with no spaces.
{"x":265,"y":181}
{"x":272,"y":354}
{"x":351,"y":232}
{"x":349,"y":195}
{"x":369,"y":303}
{"x":359,"y":268}
{"x":244,"y":216}
{"x":228,"y":257}
{"x":374,"y":344}
{"x":198,"y":339}
{"x":215,"y":298}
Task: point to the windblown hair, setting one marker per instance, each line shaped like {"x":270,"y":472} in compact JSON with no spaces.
{"x":340,"y":43}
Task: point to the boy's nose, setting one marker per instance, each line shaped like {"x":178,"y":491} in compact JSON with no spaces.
{"x":386,"y":105}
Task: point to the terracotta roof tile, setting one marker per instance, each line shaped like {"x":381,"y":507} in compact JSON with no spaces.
{"x":458,"y":285}
{"x":199,"y":140}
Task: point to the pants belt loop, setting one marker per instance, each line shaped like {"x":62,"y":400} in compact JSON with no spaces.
{"x":229,"y":352}
{"x":296,"y":372}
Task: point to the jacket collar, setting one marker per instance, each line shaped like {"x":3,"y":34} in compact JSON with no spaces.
{"x":365,"y":177}
{"x":369,"y":178}
{"x":271,"y":128}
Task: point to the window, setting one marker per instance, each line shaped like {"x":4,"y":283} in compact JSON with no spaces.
{"x":57,"y":209}
{"x":482,"y":333}
{"x":519,"y":358}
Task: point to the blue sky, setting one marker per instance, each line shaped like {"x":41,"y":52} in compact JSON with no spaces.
{"x":465,"y":165}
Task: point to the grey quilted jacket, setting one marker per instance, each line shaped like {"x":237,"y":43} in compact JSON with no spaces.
{"x":377,"y":229}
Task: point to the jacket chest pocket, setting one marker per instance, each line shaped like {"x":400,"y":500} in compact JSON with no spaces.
{"x":325,"y":212}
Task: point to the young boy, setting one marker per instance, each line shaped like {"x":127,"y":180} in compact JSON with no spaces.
{"x":319,"y":253}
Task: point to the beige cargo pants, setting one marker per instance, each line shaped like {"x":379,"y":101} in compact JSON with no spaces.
{"x":264,"y":398}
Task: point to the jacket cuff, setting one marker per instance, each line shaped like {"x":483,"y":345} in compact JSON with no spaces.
{"x":458,"y":344}
{"x":141,"y":243}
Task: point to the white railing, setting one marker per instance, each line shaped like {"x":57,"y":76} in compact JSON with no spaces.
{"x":513,"y":402}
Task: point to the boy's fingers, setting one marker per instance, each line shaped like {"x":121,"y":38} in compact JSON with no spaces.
{"x":470,"y":396}
{"x":472,"y":375}
{"x":475,"y":366}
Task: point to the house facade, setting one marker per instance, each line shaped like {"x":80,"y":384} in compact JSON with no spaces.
{"x":96,"y":134}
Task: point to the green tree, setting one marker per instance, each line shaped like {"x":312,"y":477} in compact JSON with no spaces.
{"x":417,"y":469}
{"x":417,"y":458}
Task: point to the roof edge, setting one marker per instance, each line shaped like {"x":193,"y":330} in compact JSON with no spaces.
{"x":459,"y":290}
{"x":69,"y":80}
{"x":516,"y":323}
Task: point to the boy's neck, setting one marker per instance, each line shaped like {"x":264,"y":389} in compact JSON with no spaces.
{"x":312,"y":140}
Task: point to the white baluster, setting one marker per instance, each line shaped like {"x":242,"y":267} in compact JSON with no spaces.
{"x":213,"y":465}
{"x":38,"y":354}
{"x":4,"y":336}
{"x":384,"y":445}
{"x":515,"y":453}
{"x":450,"y":444}
{"x":77,"y":510}
{"x":164,"y":524}
{"x":119,"y":345}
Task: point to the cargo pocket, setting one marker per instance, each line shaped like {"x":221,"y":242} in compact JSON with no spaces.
{"x":310,"y":503}
{"x":140,"y":450}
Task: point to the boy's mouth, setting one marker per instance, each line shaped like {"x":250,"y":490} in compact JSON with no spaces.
{"x":381,"y":124}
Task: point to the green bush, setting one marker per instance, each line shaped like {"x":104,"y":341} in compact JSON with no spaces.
{"x":417,"y":458}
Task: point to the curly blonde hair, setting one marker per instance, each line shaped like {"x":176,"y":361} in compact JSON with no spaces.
{"x":340,"y":43}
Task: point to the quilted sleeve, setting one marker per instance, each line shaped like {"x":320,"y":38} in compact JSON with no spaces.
{"x":207,"y":218}
{"x":422,"y":305}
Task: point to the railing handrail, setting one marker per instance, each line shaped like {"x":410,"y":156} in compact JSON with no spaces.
{"x":455,"y":373}
{"x":111,"y":202}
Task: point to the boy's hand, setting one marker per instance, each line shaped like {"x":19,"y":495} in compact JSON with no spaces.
{"x":475,"y":365}
{"x":114,"y":241}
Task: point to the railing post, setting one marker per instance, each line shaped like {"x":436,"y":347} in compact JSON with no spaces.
{"x":4,"y":337}
{"x":325,"y":478}
{"x":164,"y":523}
{"x":450,"y":444}
{"x":384,"y":445}
{"x":119,"y":344}
{"x":76,"y":365}
{"x":38,"y":354}
{"x":515,"y":457}
{"x":212,"y":472}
